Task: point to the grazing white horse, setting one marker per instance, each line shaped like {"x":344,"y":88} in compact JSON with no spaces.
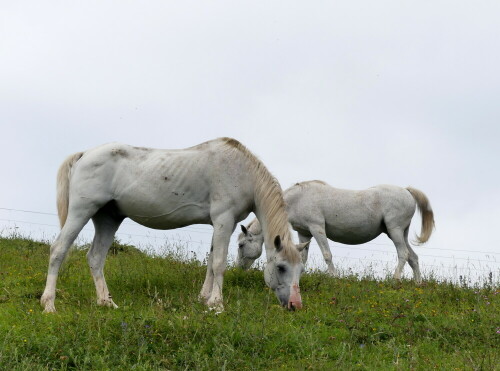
{"x":218,"y":182}
{"x":315,"y":209}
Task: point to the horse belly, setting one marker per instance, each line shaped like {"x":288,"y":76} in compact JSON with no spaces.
{"x":164,"y":191}
{"x":166,"y":207}
{"x":353,"y":233}
{"x":178,"y":217}
{"x":165,"y":212}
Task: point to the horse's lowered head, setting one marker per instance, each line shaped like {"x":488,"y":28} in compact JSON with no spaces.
{"x":249,"y":247}
{"x":282,"y":273}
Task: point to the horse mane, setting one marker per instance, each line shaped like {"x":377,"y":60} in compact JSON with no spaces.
{"x":268,"y":200}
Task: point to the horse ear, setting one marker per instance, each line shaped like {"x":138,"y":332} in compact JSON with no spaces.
{"x":277,"y":243}
{"x":244,"y":229}
{"x":304,"y":245}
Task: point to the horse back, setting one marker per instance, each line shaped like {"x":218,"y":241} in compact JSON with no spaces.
{"x":348,"y":216}
{"x":156,"y":187}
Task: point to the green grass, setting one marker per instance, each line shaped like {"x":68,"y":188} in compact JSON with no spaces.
{"x":347,"y":324}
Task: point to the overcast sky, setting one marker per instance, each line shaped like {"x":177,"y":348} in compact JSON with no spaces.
{"x":355,"y":93}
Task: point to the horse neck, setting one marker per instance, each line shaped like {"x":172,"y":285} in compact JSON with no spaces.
{"x":268,"y":199}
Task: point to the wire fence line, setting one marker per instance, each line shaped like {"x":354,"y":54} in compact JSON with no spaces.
{"x":357,"y":247}
{"x":183,"y":236}
{"x":55,"y":215}
{"x":203,"y":231}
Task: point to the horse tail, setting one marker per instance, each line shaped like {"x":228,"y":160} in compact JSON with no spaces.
{"x":63,"y":186}
{"x":424,"y":207}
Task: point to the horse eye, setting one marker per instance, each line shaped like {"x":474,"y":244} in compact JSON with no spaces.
{"x":241,"y":245}
{"x":281,"y":268}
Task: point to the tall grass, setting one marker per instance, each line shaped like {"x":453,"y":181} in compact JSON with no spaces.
{"x":348,"y":323}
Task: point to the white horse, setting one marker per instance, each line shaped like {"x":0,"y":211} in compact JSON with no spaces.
{"x":217,"y":182}
{"x":318,"y":210}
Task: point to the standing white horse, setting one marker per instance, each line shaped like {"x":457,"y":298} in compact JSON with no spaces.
{"x":318,"y":210}
{"x":217,"y":182}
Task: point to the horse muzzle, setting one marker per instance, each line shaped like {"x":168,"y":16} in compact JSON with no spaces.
{"x":295,"y":300}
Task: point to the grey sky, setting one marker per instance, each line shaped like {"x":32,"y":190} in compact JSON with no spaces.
{"x":355,"y":93}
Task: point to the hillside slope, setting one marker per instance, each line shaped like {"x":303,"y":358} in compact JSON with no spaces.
{"x":347,"y":323}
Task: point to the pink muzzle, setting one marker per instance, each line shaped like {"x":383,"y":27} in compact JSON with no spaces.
{"x":295,"y":301}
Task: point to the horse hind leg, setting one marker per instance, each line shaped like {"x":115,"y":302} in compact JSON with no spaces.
{"x":105,"y":229}
{"x":413,"y":259}
{"x":77,"y":218}
{"x":305,"y":252}
{"x":397,"y":237}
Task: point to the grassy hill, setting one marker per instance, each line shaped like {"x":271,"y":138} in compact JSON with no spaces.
{"x":348,"y":323}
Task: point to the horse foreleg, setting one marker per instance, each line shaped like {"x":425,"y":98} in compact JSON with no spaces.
{"x":320,"y":236}
{"x":223,"y":228}
{"x":206,"y":290}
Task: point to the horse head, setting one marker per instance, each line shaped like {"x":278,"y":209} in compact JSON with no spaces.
{"x":249,"y":247}
{"x":282,"y":273}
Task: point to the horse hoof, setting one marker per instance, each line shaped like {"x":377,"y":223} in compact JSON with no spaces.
{"x":203,"y":299}
{"x":112,"y":305}
{"x":107,"y":303}
{"x":49,"y":308}
{"x":332,"y":273}
{"x":47,"y":302}
{"x":216,"y":306}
